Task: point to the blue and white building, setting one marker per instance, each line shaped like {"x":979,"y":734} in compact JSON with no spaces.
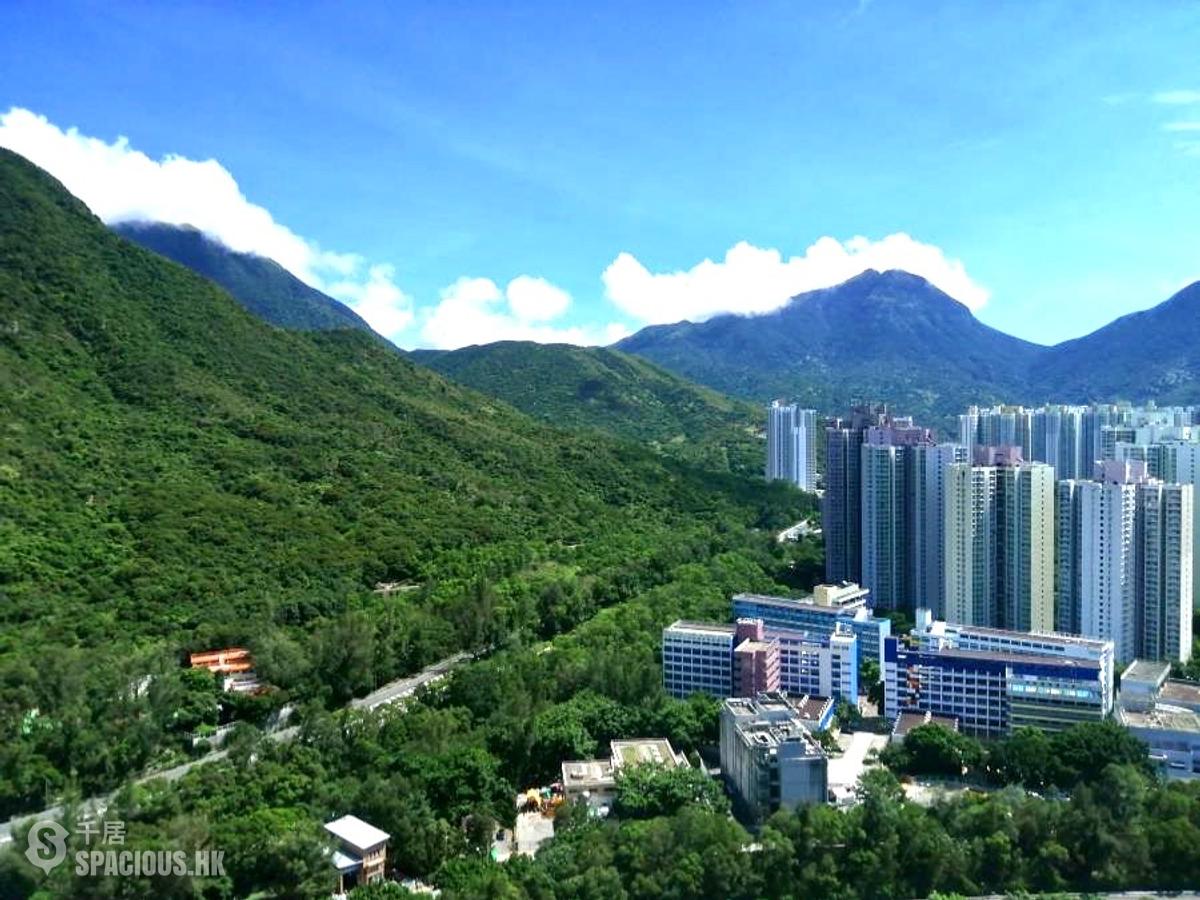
{"x":993,"y":681}
{"x":831,"y":608}
{"x":697,"y":658}
{"x":703,"y":658}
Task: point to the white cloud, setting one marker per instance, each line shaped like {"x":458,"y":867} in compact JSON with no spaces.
{"x":476,"y":311}
{"x":1176,"y":98}
{"x":755,"y":280}
{"x":535,"y":299}
{"x":378,"y":300}
{"x":120,"y":184}
{"x":1181,"y":126}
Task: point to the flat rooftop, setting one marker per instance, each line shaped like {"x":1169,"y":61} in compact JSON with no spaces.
{"x":1162,"y":718}
{"x":586,"y":773}
{"x":810,"y":707}
{"x":1146,"y":671}
{"x":805,"y":603}
{"x":356,"y":833}
{"x":774,"y":718}
{"x":940,"y":627}
{"x":1184,"y":693}
{"x":657,"y":751}
{"x":1037,"y":659}
{"x":701,"y":627}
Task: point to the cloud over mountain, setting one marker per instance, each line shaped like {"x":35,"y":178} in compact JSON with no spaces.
{"x":756,"y":280}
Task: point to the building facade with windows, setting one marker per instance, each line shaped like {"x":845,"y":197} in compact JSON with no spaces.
{"x":994,"y":680}
{"x":791,"y":447}
{"x":829,"y":609}
{"x":768,"y":757}
{"x":748,"y":658}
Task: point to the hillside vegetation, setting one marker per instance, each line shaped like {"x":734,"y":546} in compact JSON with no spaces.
{"x":177,"y":475}
{"x":606,"y":390}
{"x":261,"y":285}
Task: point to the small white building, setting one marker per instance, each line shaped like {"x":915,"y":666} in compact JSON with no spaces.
{"x":361,"y":855}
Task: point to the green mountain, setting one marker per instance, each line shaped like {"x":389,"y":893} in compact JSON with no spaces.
{"x":893,"y":336}
{"x":261,"y":285}
{"x":880,"y":335}
{"x":1152,"y":354}
{"x":176,"y":474}
{"x":598,"y":388}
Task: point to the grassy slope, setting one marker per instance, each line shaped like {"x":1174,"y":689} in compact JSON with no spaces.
{"x":598,"y":388}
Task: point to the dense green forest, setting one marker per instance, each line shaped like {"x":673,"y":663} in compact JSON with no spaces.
{"x":607,"y":390}
{"x":261,"y":285}
{"x":176,"y":475}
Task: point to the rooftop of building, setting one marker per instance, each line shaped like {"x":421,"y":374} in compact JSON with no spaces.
{"x":808,"y":604}
{"x":701,"y":627}
{"x":587,"y":773}
{"x":752,"y":646}
{"x":938,"y":627}
{"x":1029,"y":659}
{"x":811,"y":707}
{"x":1181,"y":692}
{"x":1161,"y":717}
{"x":771,"y":719}
{"x":1145,"y":673}
{"x":907,"y":721}
{"x":656,"y":751}
{"x":356,"y":834}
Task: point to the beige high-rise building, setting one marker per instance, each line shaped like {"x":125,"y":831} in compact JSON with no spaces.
{"x":999,"y":542}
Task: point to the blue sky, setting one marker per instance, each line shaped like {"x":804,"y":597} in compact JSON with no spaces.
{"x":467,"y":171}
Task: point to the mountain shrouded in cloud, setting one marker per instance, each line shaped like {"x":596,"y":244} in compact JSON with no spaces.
{"x":754,"y":280}
{"x":880,"y":335}
{"x":261,"y":285}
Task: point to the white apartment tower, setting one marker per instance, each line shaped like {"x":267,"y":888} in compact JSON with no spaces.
{"x":791,"y":453}
{"x":1124,"y":571}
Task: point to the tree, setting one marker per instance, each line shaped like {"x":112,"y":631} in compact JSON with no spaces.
{"x":646,"y":790}
{"x":935,"y":750}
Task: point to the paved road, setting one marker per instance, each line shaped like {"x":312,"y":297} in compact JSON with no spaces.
{"x":389,"y":693}
{"x":405,"y":687}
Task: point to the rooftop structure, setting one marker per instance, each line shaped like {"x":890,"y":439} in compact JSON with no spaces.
{"x":846,"y":595}
{"x":656,"y":751}
{"x":227,"y":661}
{"x":361,"y":855}
{"x":594,"y":781}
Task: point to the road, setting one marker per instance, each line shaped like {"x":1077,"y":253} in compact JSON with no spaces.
{"x":797,"y":531}
{"x":389,"y":693}
{"x":404,"y":687}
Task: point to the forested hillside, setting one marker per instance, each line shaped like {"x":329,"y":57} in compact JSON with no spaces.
{"x":604,"y":389}
{"x":261,"y":285}
{"x":177,"y":475}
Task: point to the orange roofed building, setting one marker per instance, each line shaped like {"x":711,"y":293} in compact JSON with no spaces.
{"x":235,"y":663}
